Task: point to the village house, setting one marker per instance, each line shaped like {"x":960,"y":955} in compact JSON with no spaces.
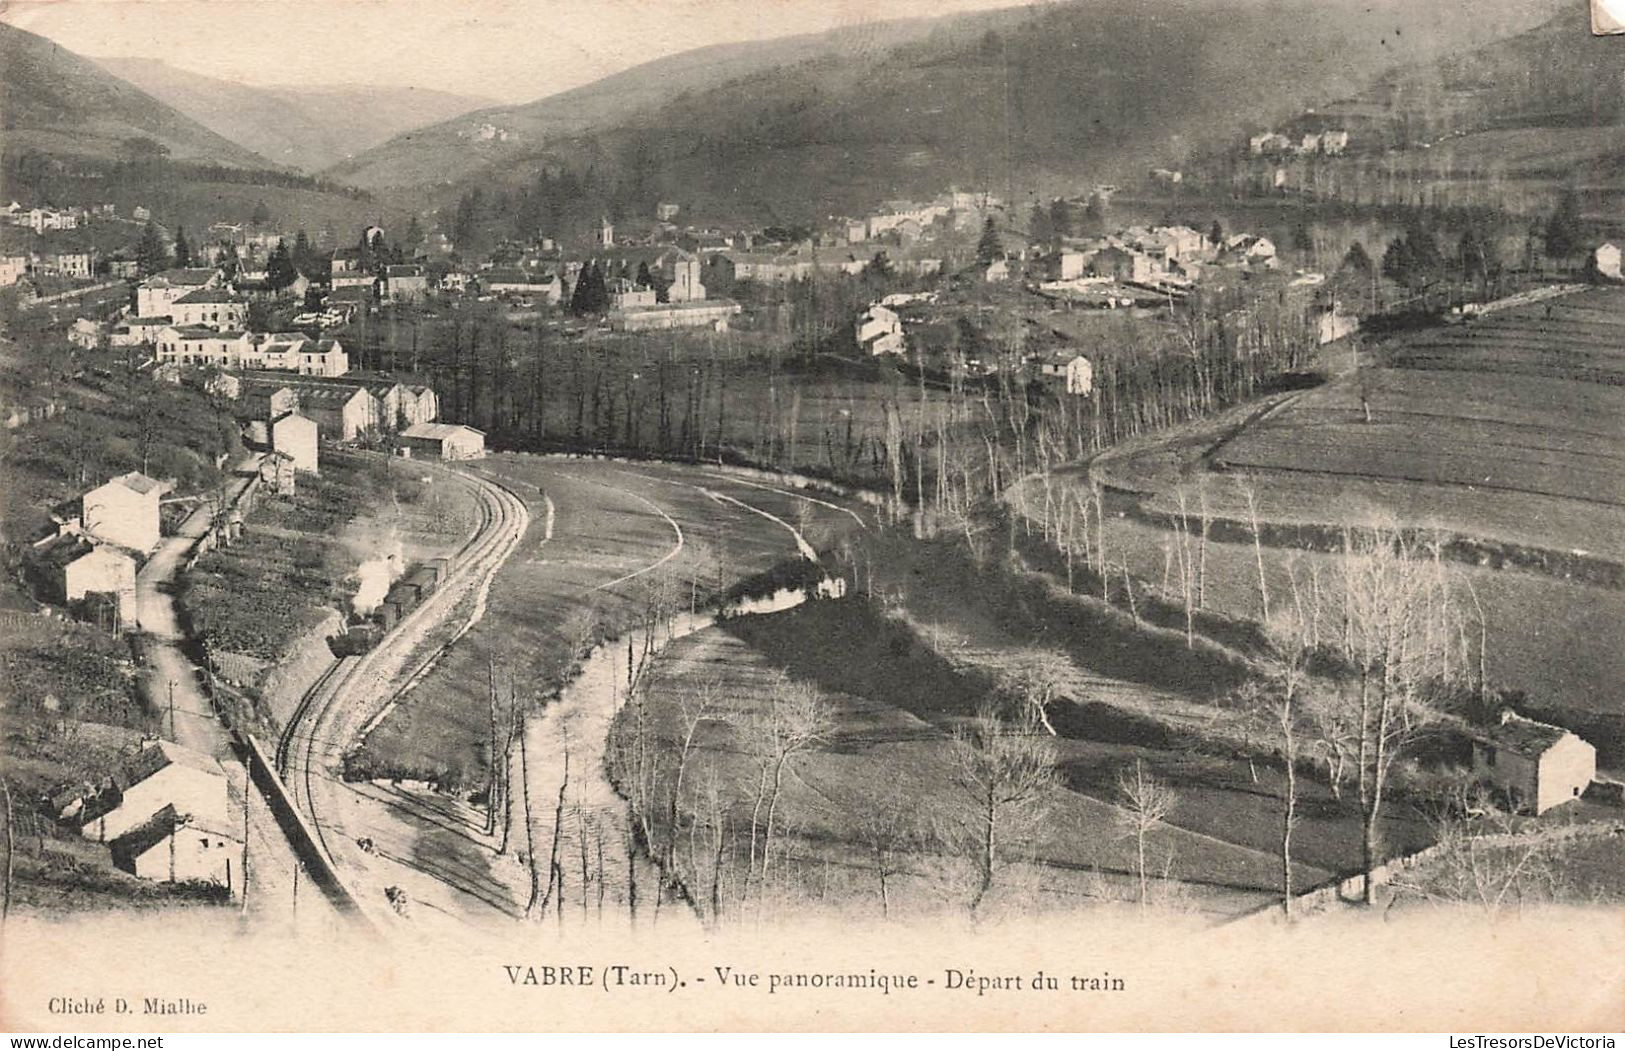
{"x":294,"y":436}
{"x":1074,"y":369}
{"x":341,"y":413}
{"x":994,"y":272}
{"x":85,"y":333}
{"x":348,"y":301}
{"x":880,"y":331}
{"x":1067,"y":265}
{"x":624,"y":293}
{"x":67,"y":262}
{"x":503,"y":281}
{"x":12,"y":269}
{"x":666,"y":212}
{"x":1334,"y":142}
{"x":1269,"y":142}
{"x":75,"y":568}
{"x":260,"y":289}
{"x":1250,"y":249}
{"x":404,"y":284}
{"x":124,"y":511}
{"x":455,"y":281}
{"x":154,"y":296}
{"x":199,"y":345}
{"x":134,"y":331}
{"x":422,"y":407}
{"x":176,"y":847}
{"x":217,"y":308}
{"x":265,"y":400}
{"x":1122,"y":264}
{"x":1537,"y":765}
{"x":1606,"y":260}
{"x":161,"y":774}
{"x":443,"y":441}
{"x":294,"y":352}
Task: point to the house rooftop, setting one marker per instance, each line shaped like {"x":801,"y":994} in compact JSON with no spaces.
{"x":188,"y":276}
{"x":143,"y":837}
{"x":439,"y":431}
{"x":211,"y":295}
{"x":137,"y":482}
{"x":1523,"y":736}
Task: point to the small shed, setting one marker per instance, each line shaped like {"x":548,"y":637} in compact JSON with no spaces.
{"x":445,"y":441}
{"x":1538,"y":765}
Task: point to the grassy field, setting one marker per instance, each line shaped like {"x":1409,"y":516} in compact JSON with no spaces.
{"x":896,"y":698}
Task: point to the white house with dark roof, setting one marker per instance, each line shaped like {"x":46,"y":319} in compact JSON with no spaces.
{"x":161,"y":774}
{"x":217,"y":308}
{"x":294,"y":436}
{"x":155,"y":295}
{"x":177,"y":847}
{"x":1538,"y":765}
{"x":124,"y":511}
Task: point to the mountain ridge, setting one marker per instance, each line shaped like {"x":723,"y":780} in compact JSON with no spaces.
{"x":306,"y":127}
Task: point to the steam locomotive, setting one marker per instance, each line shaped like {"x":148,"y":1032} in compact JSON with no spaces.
{"x":407,"y":593}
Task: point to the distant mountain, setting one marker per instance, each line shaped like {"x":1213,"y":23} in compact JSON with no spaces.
{"x":60,"y":103}
{"x":1038,"y":98}
{"x":443,"y":153}
{"x":305,"y":128}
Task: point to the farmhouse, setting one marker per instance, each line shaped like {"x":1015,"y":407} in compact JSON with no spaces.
{"x":174,"y":847}
{"x":446,"y":441}
{"x":294,"y":436}
{"x":162,"y":774}
{"x":125,"y":511}
{"x":1537,"y":765}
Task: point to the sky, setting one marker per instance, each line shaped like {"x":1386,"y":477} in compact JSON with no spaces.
{"x":507,"y":50}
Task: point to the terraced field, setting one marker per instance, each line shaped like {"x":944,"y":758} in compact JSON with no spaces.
{"x":1510,"y":428}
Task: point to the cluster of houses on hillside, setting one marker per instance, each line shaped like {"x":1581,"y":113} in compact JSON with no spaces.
{"x":1272,"y":143}
{"x":164,"y":813}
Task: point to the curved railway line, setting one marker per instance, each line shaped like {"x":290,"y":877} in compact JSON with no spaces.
{"x":345,"y":700}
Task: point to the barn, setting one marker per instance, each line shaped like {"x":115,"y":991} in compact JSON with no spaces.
{"x":445,"y":441}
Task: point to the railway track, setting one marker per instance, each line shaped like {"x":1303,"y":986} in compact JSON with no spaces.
{"x":351,"y":696}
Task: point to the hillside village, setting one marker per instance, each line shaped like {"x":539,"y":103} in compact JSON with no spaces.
{"x":219,"y":434}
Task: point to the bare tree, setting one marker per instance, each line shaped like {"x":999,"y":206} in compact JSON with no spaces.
{"x":1393,"y":632}
{"x":1033,"y":679}
{"x":887,"y":832}
{"x":796,"y":720}
{"x":1144,"y":804}
{"x":1004,"y":770}
{"x":1276,"y":697}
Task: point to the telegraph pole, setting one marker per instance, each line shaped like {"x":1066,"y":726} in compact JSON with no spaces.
{"x":172,"y":709}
